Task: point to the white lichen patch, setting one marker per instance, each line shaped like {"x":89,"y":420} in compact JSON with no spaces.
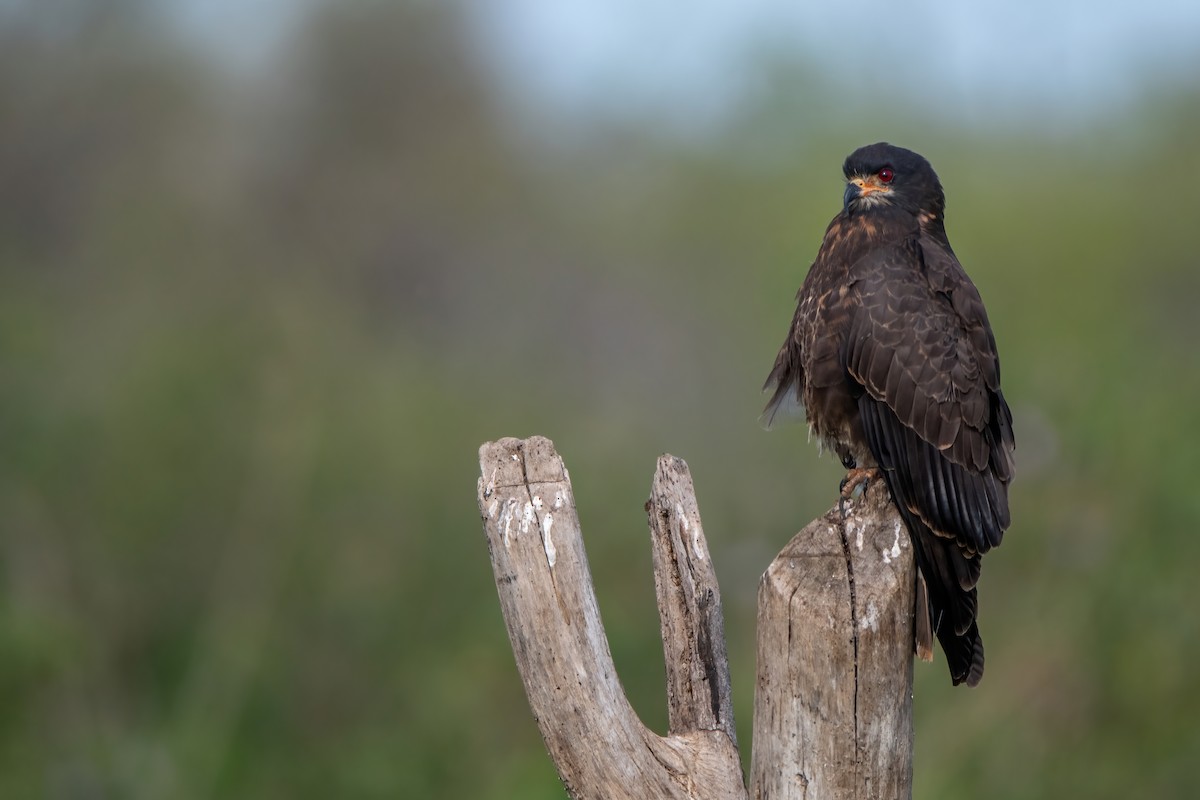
{"x":492,"y":508}
{"x":506,"y":520}
{"x":697,"y":545}
{"x":527,"y":517}
{"x":870,"y":619}
{"x":547,"y":542}
{"x":558,"y":500}
{"x":853,"y":526}
{"x":893,"y":552}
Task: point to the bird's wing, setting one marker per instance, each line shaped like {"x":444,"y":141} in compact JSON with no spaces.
{"x":934,"y":418}
{"x":812,"y":355}
{"x":932,"y":410}
{"x":787,"y":375}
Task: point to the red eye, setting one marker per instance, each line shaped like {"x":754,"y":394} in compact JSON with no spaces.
{"x":886,"y":175}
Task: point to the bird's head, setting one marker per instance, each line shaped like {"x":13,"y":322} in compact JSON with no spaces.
{"x":882,"y":174}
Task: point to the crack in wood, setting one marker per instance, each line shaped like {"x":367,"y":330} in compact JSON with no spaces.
{"x":853,"y":611}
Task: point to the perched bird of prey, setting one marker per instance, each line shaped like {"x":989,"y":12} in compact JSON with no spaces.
{"x":891,"y":353}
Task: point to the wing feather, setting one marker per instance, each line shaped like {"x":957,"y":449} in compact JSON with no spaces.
{"x":933,"y":417}
{"x":917,"y":357}
{"x":890,"y":347}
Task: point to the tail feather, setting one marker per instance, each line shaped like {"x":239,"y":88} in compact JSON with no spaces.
{"x":964,"y":654}
{"x":922,"y":622}
{"x":944,"y":606}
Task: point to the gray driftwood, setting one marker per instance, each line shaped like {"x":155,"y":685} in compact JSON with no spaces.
{"x":832,"y":715}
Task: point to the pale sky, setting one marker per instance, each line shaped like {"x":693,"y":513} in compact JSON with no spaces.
{"x":668,"y":57}
{"x":690,"y":62}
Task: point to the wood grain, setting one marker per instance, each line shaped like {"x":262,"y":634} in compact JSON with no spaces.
{"x":833,"y":698}
{"x":599,"y":746}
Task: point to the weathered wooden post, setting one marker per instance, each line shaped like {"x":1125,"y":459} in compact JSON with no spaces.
{"x":833,"y":702}
{"x":834,"y":692}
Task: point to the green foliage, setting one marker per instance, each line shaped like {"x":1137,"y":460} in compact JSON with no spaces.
{"x":252,"y":336}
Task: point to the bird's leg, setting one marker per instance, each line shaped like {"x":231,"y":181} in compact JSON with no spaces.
{"x":855,"y":478}
{"x":850,"y":464}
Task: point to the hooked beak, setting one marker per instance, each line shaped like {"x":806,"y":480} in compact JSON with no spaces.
{"x":852,"y":194}
{"x":858,"y":188}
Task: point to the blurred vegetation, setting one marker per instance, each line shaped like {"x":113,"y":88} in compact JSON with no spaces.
{"x":254,"y":328}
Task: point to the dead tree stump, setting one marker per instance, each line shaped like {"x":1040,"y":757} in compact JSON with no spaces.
{"x":833,"y":701}
{"x":832,"y":710}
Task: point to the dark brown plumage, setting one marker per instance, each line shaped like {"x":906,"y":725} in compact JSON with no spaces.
{"x":891,"y":354}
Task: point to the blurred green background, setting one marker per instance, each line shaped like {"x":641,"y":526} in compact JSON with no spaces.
{"x":260,"y":305}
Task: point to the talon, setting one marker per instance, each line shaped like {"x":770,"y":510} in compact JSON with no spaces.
{"x":842,"y":510}
{"x":856,"y":478}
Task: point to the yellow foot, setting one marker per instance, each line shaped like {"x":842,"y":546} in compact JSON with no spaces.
{"x":856,"y":478}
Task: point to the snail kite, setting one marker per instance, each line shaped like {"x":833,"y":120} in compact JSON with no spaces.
{"x":891,"y":354}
